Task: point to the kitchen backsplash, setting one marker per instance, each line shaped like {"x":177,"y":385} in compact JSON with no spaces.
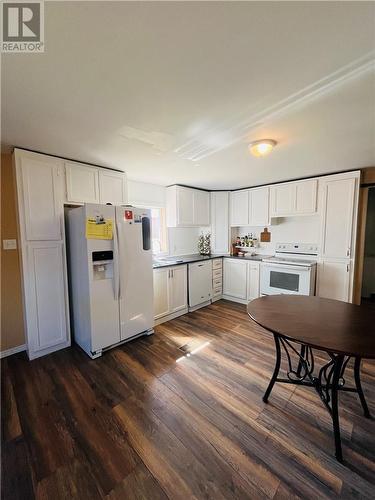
{"x":289,"y":229}
{"x":183,"y":240}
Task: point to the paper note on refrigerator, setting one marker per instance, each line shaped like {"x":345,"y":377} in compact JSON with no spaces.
{"x":99,"y":229}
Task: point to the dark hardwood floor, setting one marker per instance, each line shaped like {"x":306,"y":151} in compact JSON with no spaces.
{"x":141,"y":423}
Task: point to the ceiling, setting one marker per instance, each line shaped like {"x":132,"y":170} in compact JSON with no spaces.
{"x":173,"y":92}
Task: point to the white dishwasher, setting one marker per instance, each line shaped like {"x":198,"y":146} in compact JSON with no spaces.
{"x":200,"y":284}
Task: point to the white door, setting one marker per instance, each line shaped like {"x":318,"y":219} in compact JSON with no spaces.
{"x":306,"y":197}
{"x":177,"y":288}
{"x":200,"y":282}
{"x":283,"y":199}
{"x":259,"y":207}
{"x":239,"y":208}
{"x":112,"y":187}
{"x":253,"y":269}
{"x":161,"y":292}
{"x":201,"y":208}
{"x":82,"y":183}
{"x":185,"y":206}
{"x":338,"y":212}
{"x":235,"y":278}
{"x":220,"y":221}
{"x":46,"y":314}
{"x":334,"y":279}
{"x":42,"y":183}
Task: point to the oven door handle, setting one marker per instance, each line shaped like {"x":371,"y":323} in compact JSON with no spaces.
{"x":287,"y":266}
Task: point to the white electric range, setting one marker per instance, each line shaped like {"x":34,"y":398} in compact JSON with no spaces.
{"x":291,"y":271}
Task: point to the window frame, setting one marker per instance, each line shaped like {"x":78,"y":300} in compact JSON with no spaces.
{"x":163,"y":231}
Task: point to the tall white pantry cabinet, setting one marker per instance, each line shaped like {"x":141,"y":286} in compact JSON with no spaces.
{"x":44,"y":184}
{"x":339,"y":207}
{"x":40,"y":193}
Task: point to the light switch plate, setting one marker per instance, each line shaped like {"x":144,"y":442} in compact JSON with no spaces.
{"x":9,"y":244}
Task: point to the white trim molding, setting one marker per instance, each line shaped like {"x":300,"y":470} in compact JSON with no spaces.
{"x":12,"y":350}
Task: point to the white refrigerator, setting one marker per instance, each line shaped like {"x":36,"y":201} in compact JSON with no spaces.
{"x":111,"y":276}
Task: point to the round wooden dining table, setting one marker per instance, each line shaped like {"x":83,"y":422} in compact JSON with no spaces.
{"x":301,"y":324}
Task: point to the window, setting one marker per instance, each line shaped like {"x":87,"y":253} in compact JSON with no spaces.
{"x":159,"y":231}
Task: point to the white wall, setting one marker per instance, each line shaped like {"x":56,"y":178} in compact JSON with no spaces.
{"x":300,"y":229}
{"x":146,"y":195}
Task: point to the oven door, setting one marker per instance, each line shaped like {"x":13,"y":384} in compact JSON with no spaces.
{"x":285,"y":279}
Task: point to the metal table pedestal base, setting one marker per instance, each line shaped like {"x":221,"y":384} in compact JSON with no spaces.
{"x":327,"y":383}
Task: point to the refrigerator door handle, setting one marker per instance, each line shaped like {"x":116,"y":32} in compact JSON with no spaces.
{"x":116,"y":270}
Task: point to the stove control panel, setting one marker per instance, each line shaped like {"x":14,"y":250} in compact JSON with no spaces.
{"x":297,"y":248}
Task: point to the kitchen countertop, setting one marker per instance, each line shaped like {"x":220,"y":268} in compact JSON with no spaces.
{"x":188,"y":259}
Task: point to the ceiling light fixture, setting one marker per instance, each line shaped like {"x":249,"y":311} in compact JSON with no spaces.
{"x":262,"y":147}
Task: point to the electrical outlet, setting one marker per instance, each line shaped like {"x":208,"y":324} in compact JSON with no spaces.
{"x":9,"y":244}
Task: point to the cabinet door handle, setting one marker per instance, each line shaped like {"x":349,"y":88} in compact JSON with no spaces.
{"x":169,"y":273}
{"x":172,"y":273}
{"x":348,"y":252}
{"x":347,"y":268}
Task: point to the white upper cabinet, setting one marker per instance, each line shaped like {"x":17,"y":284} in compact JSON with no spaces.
{"x":306,"y":197}
{"x":187,"y":207}
{"x":338,"y":211}
{"x":294,"y":198}
{"x":82,"y":183}
{"x":259,"y":207}
{"x":239,"y":208}
{"x":250,"y":207}
{"x":282,"y":200}
{"x":112,"y":187}
{"x":220,"y":222}
{"x":40,"y":189}
{"x":201,"y":208}
{"x":86,"y":184}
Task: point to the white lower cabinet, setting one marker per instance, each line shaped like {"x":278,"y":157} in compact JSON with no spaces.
{"x":47,"y":305}
{"x":170,"y":292}
{"x":178,"y":288}
{"x":253,"y":272}
{"x":217,"y":279}
{"x":161,"y":292}
{"x":241,"y":280}
{"x":334,"y":279}
{"x":235,"y":278}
